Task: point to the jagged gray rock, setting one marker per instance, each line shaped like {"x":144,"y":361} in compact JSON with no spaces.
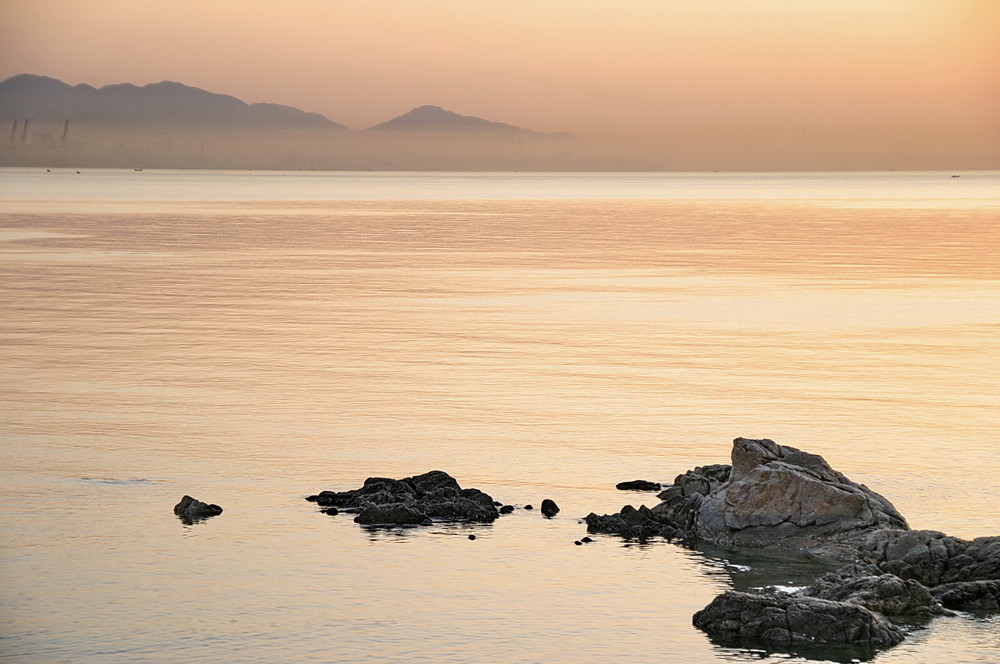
{"x":783,"y":620}
{"x":778,"y":498}
{"x":190,"y":510}
{"x":880,"y":592}
{"x":420,"y":499}
{"x":632,"y":523}
{"x":771,"y":496}
{"x":969,"y":595}
{"x":778,"y":495}
{"x":931,"y":557}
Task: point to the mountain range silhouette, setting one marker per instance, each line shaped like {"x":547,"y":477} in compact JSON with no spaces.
{"x":45,"y":99}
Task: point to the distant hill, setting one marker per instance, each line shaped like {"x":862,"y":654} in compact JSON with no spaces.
{"x":436,"y":119}
{"x":41,"y":98}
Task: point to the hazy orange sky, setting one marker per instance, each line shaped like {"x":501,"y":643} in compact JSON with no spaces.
{"x":892,"y":71}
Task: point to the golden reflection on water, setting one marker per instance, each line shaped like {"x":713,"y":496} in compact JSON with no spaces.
{"x":260,"y":350}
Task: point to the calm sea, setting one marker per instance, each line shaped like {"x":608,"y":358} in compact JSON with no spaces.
{"x":252,"y":338}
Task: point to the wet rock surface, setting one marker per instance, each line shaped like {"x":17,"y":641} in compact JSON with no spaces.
{"x":980,"y":596}
{"x":549,"y":508}
{"x":778,"y":498}
{"x":769,"y":496}
{"x":631,"y":523}
{"x":784,"y":620}
{"x":933,"y":558}
{"x":638,"y":485}
{"x":421,"y":499}
{"x":883,"y":593}
{"x":191,"y":510}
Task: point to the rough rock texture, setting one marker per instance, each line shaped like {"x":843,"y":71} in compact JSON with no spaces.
{"x":414,"y":500}
{"x":883,"y":593}
{"x":781,"y":495}
{"x":632,"y":523}
{"x":777,"y":499}
{"x":638,"y":485}
{"x":784,"y":620}
{"x":771,"y":496}
{"x":190,"y":510}
{"x":969,"y":595}
{"x":931,"y":557}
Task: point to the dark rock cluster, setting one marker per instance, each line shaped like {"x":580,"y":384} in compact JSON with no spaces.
{"x":420,"y":499}
{"x":865,"y":585}
{"x":784,"y":620}
{"x":778,"y":498}
{"x":771,"y":498}
{"x":962,"y":575}
{"x":192,"y":511}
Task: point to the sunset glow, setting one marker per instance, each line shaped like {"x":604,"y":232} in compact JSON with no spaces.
{"x":914,"y":79}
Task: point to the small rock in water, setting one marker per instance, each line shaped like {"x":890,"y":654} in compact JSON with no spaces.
{"x":332,"y":511}
{"x":578,"y":543}
{"x":472,"y":537}
{"x":528,"y":507}
{"x":586,"y":540}
{"x":549,"y":508}
{"x":191,"y":511}
{"x":506,"y":509}
{"x":638,"y":485}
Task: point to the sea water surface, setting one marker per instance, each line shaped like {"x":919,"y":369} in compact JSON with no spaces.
{"x":252,"y":338}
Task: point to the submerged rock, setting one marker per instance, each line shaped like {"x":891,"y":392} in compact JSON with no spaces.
{"x":784,"y":620}
{"x":190,"y":510}
{"x":638,"y":485}
{"x":420,"y":499}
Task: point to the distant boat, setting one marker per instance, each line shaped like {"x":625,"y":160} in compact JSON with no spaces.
{"x":956,"y":176}
{"x":137,"y":170}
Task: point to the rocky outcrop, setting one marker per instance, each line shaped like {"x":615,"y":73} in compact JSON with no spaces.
{"x":776,"y":498}
{"x":880,"y":592}
{"x":421,"y":499}
{"x":931,"y":557}
{"x":778,"y":495}
{"x":981,"y":596}
{"x":784,"y":620}
{"x":191,"y":511}
{"x":771,"y":496}
{"x":638,"y":485}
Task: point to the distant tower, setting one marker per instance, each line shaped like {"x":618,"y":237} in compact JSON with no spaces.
{"x":24,"y":133}
{"x":65,"y":131}
{"x":13,"y":132}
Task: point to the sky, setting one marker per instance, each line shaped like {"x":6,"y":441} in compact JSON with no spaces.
{"x":910,"y":76}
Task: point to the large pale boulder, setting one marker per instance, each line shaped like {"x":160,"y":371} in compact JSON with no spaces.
{"x":770,"y":496}
{"x":779,"y":495}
